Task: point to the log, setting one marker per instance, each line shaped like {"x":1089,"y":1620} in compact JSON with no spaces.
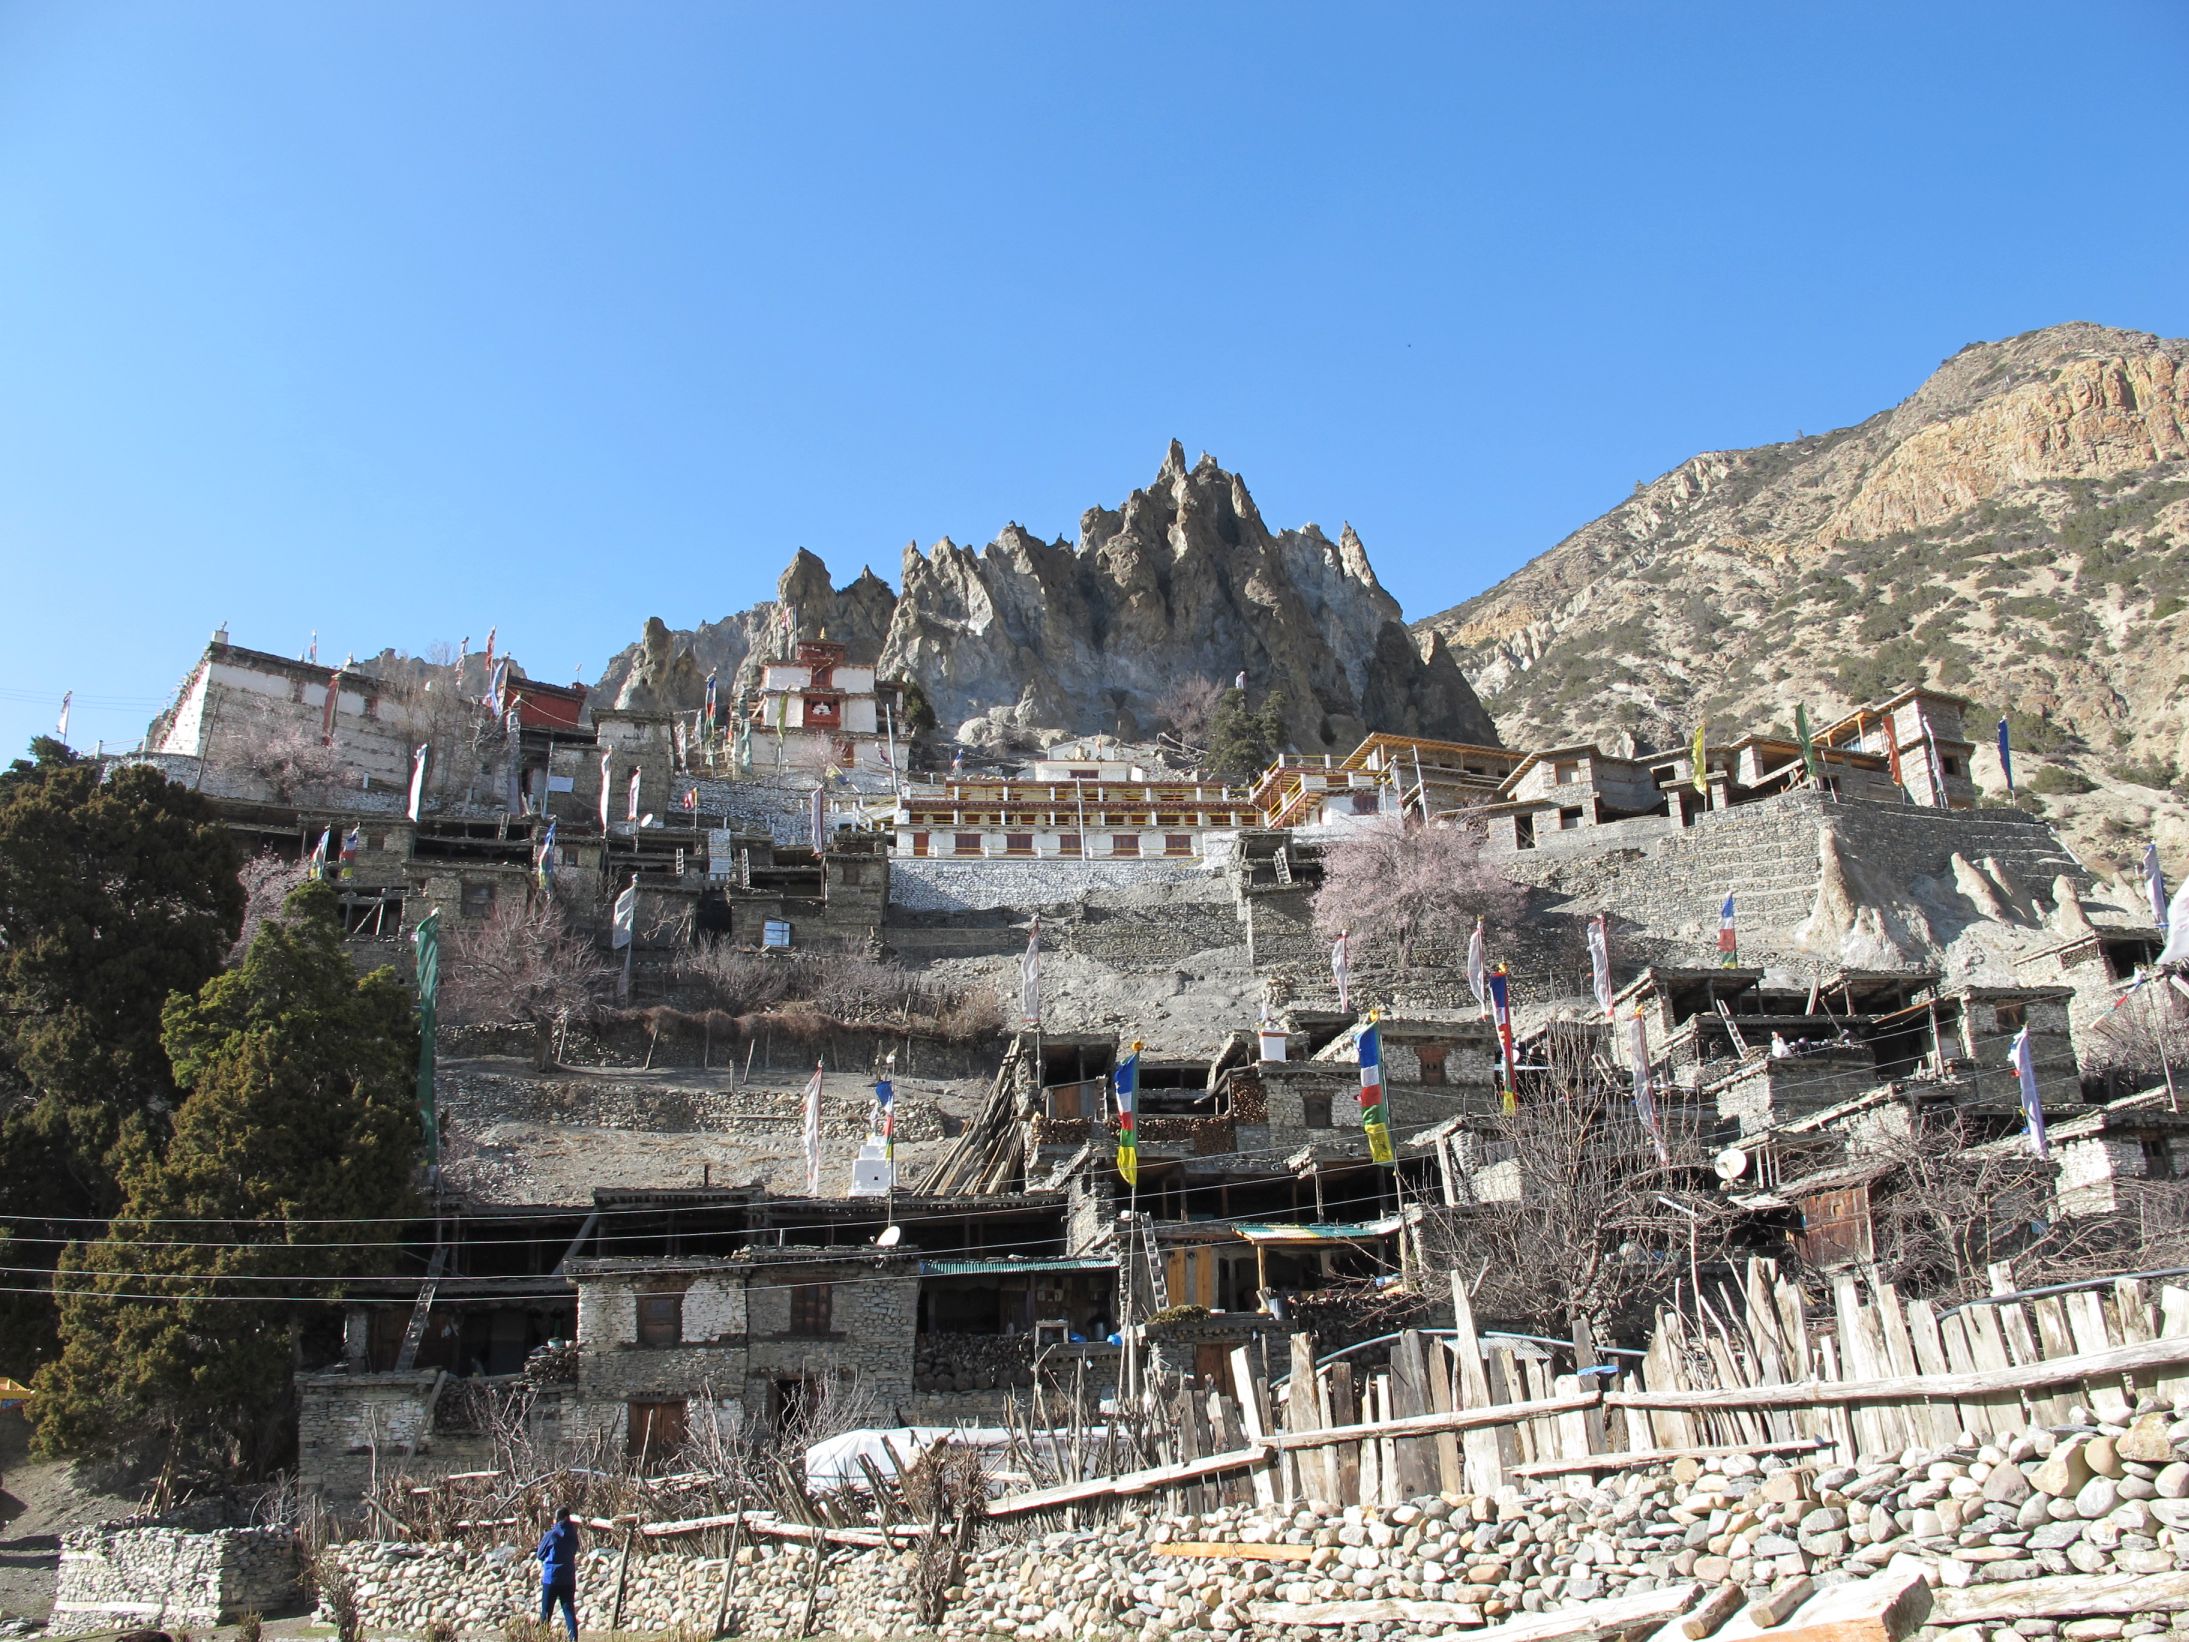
{"x":1132,"y":1482}
{"x":1884,"y":1608}
{"x":1780,"y":1604}
{"x":2140,"y":1358}
{"x":2063,"y":1596}
{"x":1244,"y":1552}
{"x":1618,"y":1461}
{"x":1583,"y":1622}
{"x":1428,"y":1425}
{"x":1714,"y":1610}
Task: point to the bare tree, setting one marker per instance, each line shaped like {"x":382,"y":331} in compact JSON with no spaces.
{"x":524,"y":965}
{"x":2141,"y":1036}
{"x":1395,"y":882}
{"x":1574,"y":1211}
{"x":1188,"y":706}
{"x":294,"y":761}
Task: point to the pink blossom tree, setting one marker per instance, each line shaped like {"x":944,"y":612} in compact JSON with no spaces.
{"x":1397,"y":883}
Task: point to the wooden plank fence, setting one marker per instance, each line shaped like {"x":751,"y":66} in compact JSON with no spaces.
{"x":1748,"y":1370}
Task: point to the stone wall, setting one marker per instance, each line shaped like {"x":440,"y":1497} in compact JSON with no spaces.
{"x":925,"y":885}
{"x":1974,"y":1519}
{"x":132,"y":1574}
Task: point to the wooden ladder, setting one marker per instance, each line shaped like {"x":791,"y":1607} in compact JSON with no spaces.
{"x":414,"y":1336}
{"x":1158,"y":1285}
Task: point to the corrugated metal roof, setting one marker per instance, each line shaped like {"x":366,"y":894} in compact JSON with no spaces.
{"x":1003,"y":1267}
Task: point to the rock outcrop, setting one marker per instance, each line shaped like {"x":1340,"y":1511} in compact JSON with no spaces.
{"x":2013,"y":531}
{"x":1184,"y":581}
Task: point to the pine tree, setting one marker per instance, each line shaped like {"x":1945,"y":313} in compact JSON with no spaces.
{"x":296,"y":1129}
{"x":1243,"y":739}
{"x":114,"y":893}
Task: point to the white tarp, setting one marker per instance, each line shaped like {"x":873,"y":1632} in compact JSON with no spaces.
{"x":834,"y":1461}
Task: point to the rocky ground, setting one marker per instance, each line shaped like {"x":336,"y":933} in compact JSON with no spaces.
{"x":38,"y":1501}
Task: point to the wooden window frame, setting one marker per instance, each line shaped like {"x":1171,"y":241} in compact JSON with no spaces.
{"x":659,"y":1319}
{"x":812,"y":1310}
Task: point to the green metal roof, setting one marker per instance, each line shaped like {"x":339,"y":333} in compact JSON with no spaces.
{"x":1004,"y":1267}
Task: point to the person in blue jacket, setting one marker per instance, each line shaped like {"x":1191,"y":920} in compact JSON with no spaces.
{"x":558,"y":1554}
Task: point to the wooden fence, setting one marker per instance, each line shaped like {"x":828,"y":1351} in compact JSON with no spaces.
{"x":1750,"y":1371}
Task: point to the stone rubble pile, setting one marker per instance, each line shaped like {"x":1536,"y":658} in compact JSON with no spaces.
{"x":2089,"y":1497}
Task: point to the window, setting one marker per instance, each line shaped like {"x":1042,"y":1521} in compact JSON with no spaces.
{"x":1125,"y":843}
{"x":2158,"y":1158}
{"x":661,"y":1319}
{"x":1018,"y":843}
{"x":809,"y":1307}
{"x":2010,"y":1017}
{"x":1523,"y":832}
{"x":1568,"y":819}
{"x":919,"y":843}
{"x":1952,"y":766}
{"x":654,"y":1430}
{"x":1067,"y":843}
{"x":1177,"y":843}
{"x":479,"y":900}
{"x":1364,"y":803}
{"x":1315,"y":1111}
{"x":1431,"y":1056}
{"x":1162,"y":820}
{"x":967,"y":843}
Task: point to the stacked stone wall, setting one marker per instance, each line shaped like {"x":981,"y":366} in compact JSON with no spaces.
{"x":129,"y":1575}
{"x":918,"y":884}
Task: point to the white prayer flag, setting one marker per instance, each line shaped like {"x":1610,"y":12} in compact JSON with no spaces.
{"x":418,"y":780}
{"x":1029,"y":977}
{"x":2176,"y":950}
{"x":626,"y":918}
{"x":813,"y":1132}
{"x":2025,"y":1070}
{"x":1600,"y":962}
{"x":607,"y":779}
{"x":1478,"y":968}
{"x":1341,"y":970}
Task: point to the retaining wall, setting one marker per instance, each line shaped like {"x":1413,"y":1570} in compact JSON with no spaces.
{"x":127,"y":1575}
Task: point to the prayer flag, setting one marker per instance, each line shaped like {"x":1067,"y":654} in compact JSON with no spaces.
{"x":1478,"y":969}
{"x":1127,"y":1080}
{"x":1808,"y":744}
{"x":957,"y":762}
{"x":1501,"y":1011}
{"x":60,"y":727}
{"x":710,"y":697}
{"x":547,"y":860}
{"x":1645,"y":1095}
{"x":328,"y":708}
{"x":2006,"y":755}
{"x":630,"y":796}
{"x":625,"y":921}
{"x":497,"y":689}
{"x":744,"y":746}
{"x":418,"y":780}
{"x":1892,"y":750}
{"x":813,"y":1132}
{"x":819,"y":820}
{"x":885,"y":1113}
{"x":1375,"y":1121}
{"x":1729,"y":945}
{"x":428,"y":939}
{"x":352,"y":842}
{"x":317,"y":866}
{"x":1240,"y":683}
{"x":607,"y":778}
{"x":2154,"y":883}
{"x":2025,"y":1070}
{"x":2176,"y":950}
{"x":1029,"y":977}
{"x":1600,"y":962}
{"x":1341,"y":970}
{"x":1700,"y":760}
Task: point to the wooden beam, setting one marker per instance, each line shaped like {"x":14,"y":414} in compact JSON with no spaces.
{"x":1658,"y":1456}
{"x":1583,"y":1622}
{"x":2065,"y":1596}
{"x":1132,"y":1482}
{"x":1883,"y":1608}
{"x":1427,"y":1425}
{"x":2144,"y":1357}
{"x":1244,"y":1552}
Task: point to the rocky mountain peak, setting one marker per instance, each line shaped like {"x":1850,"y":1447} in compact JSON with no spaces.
{"x":1029,"y":639}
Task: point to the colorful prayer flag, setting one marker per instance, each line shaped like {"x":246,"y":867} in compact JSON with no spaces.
{"x":1341,"y":970}
{"x":2025,"y":1071}
{"x":813,"y":1132}
{"x":316,"y":867}
{"x":1501,"y":1011}
{"x":2006,"y":755}
{"x":1127,"y":1081}
{"x":1375,"y":1121}
{"x":352,"y":842}
{"x":885,"y":1114}
{"x":710,"y":697}
{"x":1729,"y":945}
{"x":1600,"y":962}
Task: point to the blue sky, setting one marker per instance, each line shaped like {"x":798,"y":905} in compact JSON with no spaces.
{"x":402,"y":321}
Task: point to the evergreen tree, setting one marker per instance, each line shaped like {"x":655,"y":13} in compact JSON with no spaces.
{"x":1243,"y":739}
{"x":297,"y":1130}
{"x":114,"y":894}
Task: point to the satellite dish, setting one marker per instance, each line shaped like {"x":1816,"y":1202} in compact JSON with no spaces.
{"x":647,"y":819}
{"x":889,"y":1238}
{"x":1731,"y":1163}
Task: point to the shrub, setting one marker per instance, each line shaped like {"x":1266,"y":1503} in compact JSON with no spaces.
{"x":249,"y":1626}
{"x":2148,"y":772}
{"x":2058,"y":778}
